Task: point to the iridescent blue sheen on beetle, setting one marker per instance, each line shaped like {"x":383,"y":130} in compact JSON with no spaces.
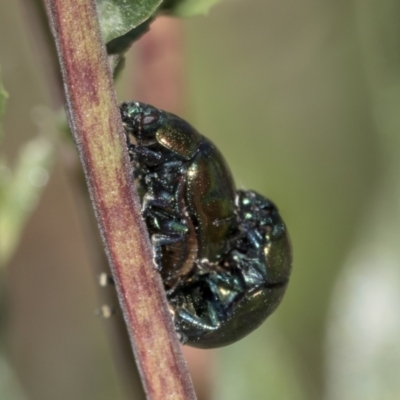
{"x":224,"y":255}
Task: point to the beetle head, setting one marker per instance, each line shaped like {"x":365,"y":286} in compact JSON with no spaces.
{"x":260,"y":217}
{"x":150,"y":126}
{"x":142,"y":121}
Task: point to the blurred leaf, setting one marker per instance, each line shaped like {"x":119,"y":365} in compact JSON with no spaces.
{"x":10,"y":388}
{"x":363,"y":351}
{"x":261,"y":367}
{"x":188,"y":8}
{"x":21,"y":186}
{"x":118,"y":17}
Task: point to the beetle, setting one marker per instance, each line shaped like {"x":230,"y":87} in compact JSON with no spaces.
{"x":224,"y":255}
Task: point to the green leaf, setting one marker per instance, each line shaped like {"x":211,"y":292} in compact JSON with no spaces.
{"x":188,"y":8}
{"x":10,"y":387}
{"x":118,"y":17}
{"x":122,"y":43}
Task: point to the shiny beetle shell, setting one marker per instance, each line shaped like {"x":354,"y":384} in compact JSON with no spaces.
{"x":224,"y":256}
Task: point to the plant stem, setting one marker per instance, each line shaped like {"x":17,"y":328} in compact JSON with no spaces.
{"x":96,"y":124}
{"x":35,"y":18}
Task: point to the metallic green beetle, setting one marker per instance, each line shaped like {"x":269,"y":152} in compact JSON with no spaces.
{"x":224,"y":255}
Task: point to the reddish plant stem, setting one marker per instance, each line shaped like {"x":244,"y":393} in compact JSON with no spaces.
{"x":98,"y":131}
{"x":35,"y":17}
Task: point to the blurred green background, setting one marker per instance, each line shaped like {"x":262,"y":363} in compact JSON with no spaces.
{"x":303,"y":100}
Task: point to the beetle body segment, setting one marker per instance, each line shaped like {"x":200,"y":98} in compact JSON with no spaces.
{"x":224,"y":256}
{"x":210,"y":198}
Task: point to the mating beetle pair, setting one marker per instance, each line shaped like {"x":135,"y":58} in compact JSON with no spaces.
{"x":224,"y":256}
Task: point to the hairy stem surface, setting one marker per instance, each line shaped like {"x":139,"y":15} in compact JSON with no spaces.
{"x":96,"y":125}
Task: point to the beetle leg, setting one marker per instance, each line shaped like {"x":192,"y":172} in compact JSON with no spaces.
{"x":163,"y":200}
{"x":183,"y":317}
{"x":159,"y":240}
{"x":159,"y":219}
{"x":167,"y":179}
{"x":132,"y":151}
{"x":201,"y":305}
{"x":172,"y":169}
{"x":251,"y":267}
{"x":254,"y":237}
{"x":161,"y":203}
{"x":147,"y":156}
{"x":225,"y":287}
